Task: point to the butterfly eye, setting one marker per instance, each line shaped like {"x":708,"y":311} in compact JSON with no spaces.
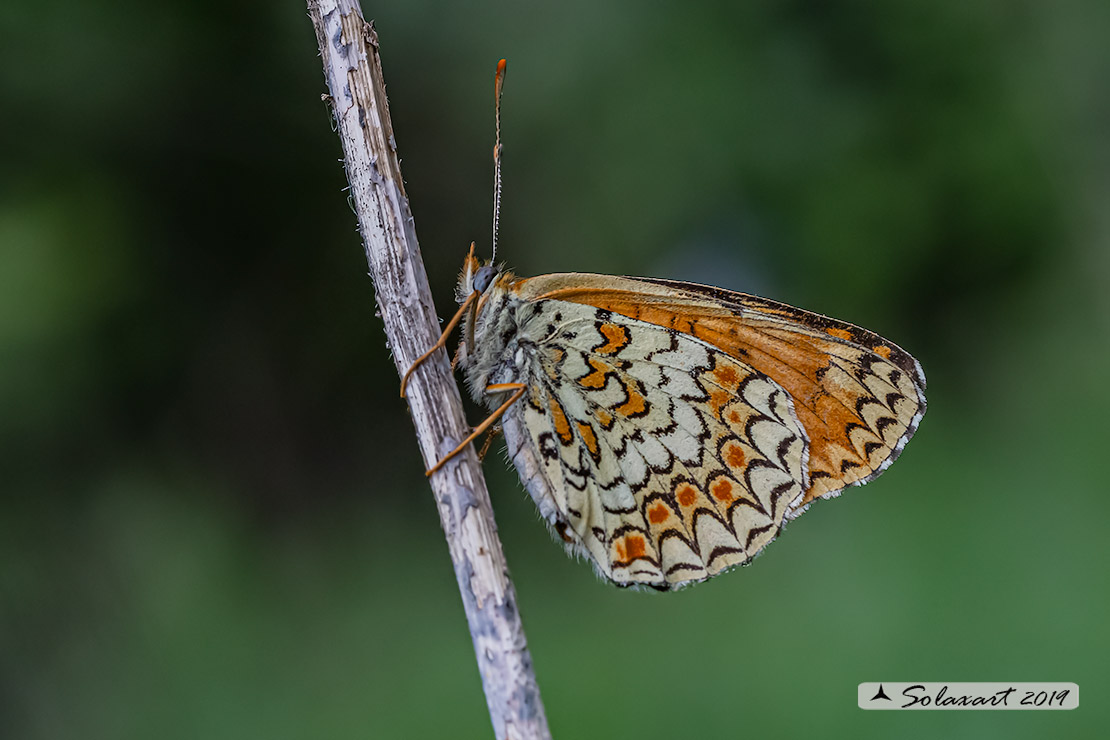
{"x":484,"y":278}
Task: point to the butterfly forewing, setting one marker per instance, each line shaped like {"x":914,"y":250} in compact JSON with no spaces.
{"x":858,"y":396}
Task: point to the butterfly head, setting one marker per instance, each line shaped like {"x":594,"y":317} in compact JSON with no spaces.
{"x":476,"y":277}
{"x":484,"y":277}
{"x":475,"y":283}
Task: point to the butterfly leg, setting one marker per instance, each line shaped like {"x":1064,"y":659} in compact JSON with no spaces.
{"x":496,"y":388}
{"x":442,"y":340}
{"x":489,"y":441}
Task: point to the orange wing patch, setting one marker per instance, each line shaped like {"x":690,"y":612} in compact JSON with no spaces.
{"x":718,"y":399}
{"x":686,"y":495}
{"x":586,"y":432}
{"x":659,"y":514}
{"x":629,"y":548}
{"x":562,"y":426}
{"x":734,"y":456}
{"x":616,"y":339}
{"x":635,"y":405}
{"x":726,"y":375}
{"x":722,"y":490}
{"x":596,"y":377}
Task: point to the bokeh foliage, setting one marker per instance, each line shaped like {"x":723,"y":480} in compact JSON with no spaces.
{"x":214,"y":522}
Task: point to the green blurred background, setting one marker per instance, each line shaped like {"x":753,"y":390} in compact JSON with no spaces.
{"x":214,"y":520}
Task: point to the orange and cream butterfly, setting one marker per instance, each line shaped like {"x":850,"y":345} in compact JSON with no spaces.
{"x":668,"y":430}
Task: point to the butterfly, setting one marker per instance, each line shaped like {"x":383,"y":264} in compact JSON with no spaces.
{"x":667,"y":430}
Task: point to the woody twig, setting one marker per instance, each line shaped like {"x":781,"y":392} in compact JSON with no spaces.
{"x":352,"y":67}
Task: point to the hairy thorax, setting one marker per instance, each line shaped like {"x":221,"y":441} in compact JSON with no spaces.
{"x":496,"y":348}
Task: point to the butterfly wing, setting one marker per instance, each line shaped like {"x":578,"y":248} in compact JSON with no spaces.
{"x":664,"y":459}
{"x":858,"y":397}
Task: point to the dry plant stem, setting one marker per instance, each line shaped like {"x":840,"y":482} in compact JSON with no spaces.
{"x":349,"y":51}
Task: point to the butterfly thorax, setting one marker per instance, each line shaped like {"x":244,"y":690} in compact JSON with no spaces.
{"x":495,"y":348}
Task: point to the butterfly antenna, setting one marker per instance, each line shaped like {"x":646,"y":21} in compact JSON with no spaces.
{"x":498,"y":84}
